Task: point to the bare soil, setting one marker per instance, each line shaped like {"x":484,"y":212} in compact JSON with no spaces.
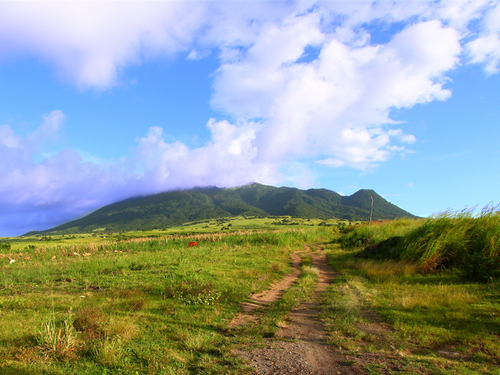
{"x":299,"y":348}
{"x":262,"y":299}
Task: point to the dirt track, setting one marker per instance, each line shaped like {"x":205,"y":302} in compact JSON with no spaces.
{"x":299,"y":348}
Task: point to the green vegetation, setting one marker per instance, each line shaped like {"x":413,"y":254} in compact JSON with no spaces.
{"x":462,"y":241}
{"x":5,"y":246}
{"x":218,"y":225}
{"x":419,"y":279}
{"x":144,"y":302}
{"x":141,"y":305}
{"x":409,"y":322}
{"x":252,"y":201}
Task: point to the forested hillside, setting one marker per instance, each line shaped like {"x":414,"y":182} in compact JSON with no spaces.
{"x":178,"y":207}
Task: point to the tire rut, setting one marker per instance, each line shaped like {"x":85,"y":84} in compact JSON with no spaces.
{"x":300,"y":348}
{"x":263,"y":299}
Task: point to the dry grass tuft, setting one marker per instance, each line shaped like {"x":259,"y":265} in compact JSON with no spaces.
{"x":90,"y":321}
{"x":309,"y":270}
{"x":387,"y":270}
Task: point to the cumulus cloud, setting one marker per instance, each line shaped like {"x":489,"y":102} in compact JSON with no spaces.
{"x":63,"y":186}
{"x":300,"y":82}
{"x":89,"y":42}
{"x":337,"y":104}
{"x":485,"y":49}
{"x":56,"y":189}
{"x":229,"y":159}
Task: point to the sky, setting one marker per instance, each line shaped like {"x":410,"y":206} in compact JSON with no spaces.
{"x":105,"y":100}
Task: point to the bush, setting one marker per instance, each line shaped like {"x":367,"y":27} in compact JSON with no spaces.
{"x":4,"y":246}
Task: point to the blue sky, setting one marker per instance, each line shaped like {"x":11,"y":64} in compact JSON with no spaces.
{"x":102,"y":101}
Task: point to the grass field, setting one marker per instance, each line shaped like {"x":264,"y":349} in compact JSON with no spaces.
{"x":427,"y":324}
{"x":146,"y":303}
{"x":142,"y":305}
{"x":198,"y":227}
{"x":435,"y":282}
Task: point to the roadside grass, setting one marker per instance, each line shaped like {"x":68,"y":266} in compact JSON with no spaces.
{"x":147,"y":306}
{"x":463,"y":241}
{"x":357,"y":237}
{"x":425,"y":323}
{"x":276,"y":315}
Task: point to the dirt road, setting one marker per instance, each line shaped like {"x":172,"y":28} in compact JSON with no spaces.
{"x":298,"y":348}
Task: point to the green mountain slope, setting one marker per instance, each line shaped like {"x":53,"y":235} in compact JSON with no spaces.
{"x":177,"y":207}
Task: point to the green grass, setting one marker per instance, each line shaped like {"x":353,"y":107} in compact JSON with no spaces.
{"x":424,"y":315}
{"x":221,"y":225}
{"x":463,"y":241}
{"x":143,"y":305}
{"x":127,"y":305}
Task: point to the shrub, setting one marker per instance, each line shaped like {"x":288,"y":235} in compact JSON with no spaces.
{"x":4,"y":246}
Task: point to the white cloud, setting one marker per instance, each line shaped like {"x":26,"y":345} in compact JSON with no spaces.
{"x":485,"y":49}
{"x":332,"y":162}
{"x":89,"y":42}
{"x":36,"y":195}
{"x":229,"y":159}
{"x":247,"y":82}
{"x":459,"y":13}
{"x":492,"y":18}
{"x":337,"y":104}
{"x":50,"y":127}
{"x":8,"y":138}
{"x":301,"y":81}
{"x":63,"y":186}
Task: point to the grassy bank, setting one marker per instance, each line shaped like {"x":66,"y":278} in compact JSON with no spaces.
{"x":422,"y":296}
{"x":450,"y":241}
{"x":409,"y":322}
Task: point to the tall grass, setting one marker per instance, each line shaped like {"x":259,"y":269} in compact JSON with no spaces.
{"x":462,"y":240}
{"x":383,"y":271}
{"x":289,"y":237}
{"x":363,"y":235}
{"x":454,"y":240}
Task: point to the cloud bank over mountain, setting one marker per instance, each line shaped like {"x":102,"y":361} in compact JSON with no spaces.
{"x":298,"y":82}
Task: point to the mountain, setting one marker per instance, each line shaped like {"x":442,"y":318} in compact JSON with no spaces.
{"x":178,"y":207}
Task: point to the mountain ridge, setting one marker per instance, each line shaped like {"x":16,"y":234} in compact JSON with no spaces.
{"x":178,"y":207}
